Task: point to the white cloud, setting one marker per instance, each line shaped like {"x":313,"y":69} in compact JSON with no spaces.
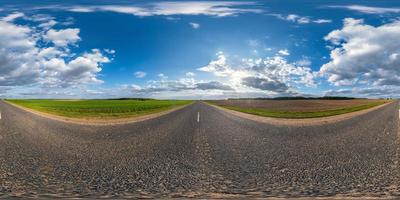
{"x":81,"y":70}
{"x":210,"y":8}
{"x":119,"y":9}
{"x":140,"y":74}
{"x":322,"y":21}
{"x":17,"y":47}
{"x":174,"y":19}
{"x":272,"y":74}
{"x":284,"y":52}
{"x":26,"y":60}
{"x":81,"y":9}
{"x":218,"y":67}
{"x":278,"y":69}
{"x":194,"y":25}
{"x":162,"y":76}
{"x":364,"y":54}
{"x":16,"y":36}
{"x":51,"y":52}
{"x":109,"y":51}
{"x":301,"y":19}
{"x":298,"y":19}
{"x":39,"y":18}
{"x":259,"y":77}
{"x":368,"y":9}
{"x":62,"y":37}
{"x":305,"y":61}
{"x":45,"y":21}
{"x":12,"y":16}
{"x":48,"y":24}
{"x":190,"y":74}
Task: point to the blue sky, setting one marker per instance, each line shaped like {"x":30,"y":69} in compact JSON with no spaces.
{"x":199,"y":49}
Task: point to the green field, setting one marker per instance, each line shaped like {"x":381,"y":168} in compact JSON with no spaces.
{"x":300,"y":115}
{"x":99,"y":108}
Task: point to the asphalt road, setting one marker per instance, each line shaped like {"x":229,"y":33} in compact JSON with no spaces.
{"x":199,"y":151}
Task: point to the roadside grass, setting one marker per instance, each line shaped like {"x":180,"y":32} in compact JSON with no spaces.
{"x":301,"y":115}
{"x":99,"y":109}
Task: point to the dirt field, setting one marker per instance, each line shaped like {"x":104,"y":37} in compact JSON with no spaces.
{"x":294,"y":105}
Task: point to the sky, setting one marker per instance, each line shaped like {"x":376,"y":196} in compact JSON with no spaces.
{"x":199,"y":49}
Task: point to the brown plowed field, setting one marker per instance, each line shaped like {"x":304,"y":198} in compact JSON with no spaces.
{"x":294,"y":105}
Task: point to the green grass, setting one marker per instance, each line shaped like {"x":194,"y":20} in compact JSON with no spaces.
{"x":99,"y":108}
{"x":300,"y":115}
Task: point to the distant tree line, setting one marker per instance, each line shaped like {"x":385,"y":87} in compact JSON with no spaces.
{"x":137,"y":99}
{"x":297,"y":98}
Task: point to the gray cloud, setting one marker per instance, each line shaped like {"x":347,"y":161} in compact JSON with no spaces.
{"x":374,"y":92}
{"x":3,"y":89}
{"x":213,"y":85}
{"x":265,"y":84}
{"x":179,"y":85}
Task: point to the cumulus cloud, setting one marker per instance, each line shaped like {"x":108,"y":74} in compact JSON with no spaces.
{"x":81,"y":70}
{"x":209,"y":8}
{"x":261,"y":77}
{"x":272,"y":74}
{"x":364,"y":54}
{"x":368,"y":9}
{"x":62,"y":37}
{"x":25,"y":59}
{"x":279,"y":70}
{"x":17,"y":46}
{"x":218,"y":67}
{"x":140,"y":74}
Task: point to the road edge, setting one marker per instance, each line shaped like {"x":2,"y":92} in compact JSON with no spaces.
{"x":97,"y":122}
{"x":299,"y":122}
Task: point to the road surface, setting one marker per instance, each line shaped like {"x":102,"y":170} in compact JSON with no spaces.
{"x":198,"y":151}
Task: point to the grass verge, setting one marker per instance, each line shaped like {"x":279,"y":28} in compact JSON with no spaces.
{"x":301,"y":115}
{"x":99,"y":109}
